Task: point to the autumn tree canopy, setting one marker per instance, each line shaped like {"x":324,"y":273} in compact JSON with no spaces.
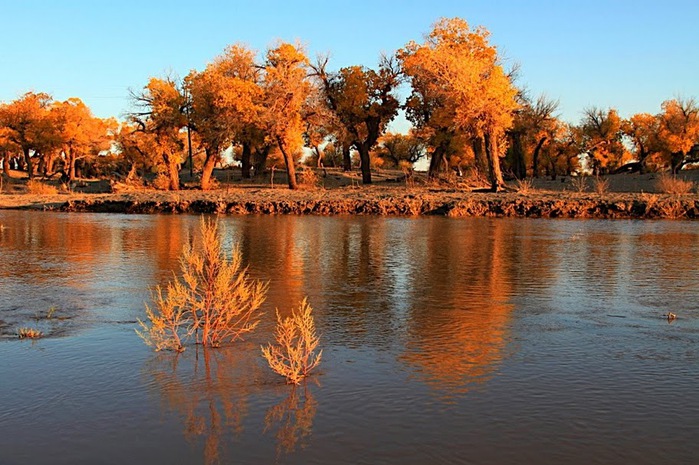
{"x":363,"y":102}
{"x":460,"y":86}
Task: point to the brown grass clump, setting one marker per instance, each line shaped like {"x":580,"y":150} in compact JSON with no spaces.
{"x":524,"y":186}
{"x":308,"y":178}
{"x":601,"y":185}
{"x":161,"y":182}
{"x":294,"y":355}
{"x":213,"y":301}
{"x":29,"y":333}
{"x":579,"y":184}
{"x":672,"y":185}
{"x":672,"y":209}
{"x":40,"y":188}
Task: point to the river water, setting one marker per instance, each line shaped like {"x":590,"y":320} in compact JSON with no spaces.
{"x":497,"y":341}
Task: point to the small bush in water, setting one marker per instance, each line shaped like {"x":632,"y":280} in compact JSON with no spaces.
{"x":294,"y":354}
{"x":213,"y":301}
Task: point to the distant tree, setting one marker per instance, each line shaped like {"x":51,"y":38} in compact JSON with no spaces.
{"x":395,"y":149}
{"x":79,"y":133}
{"x":679,"y":129}
{"x":225,"y":106}
{"x":286,"y":90}
{"x":459,"y":86}
{"x":363,"y":102}
{"x":534,"y":126}
{"x":160,"y":112}
{"x":642,"y":130}
{"x":25,"y":123}
{"x":601,"y":137}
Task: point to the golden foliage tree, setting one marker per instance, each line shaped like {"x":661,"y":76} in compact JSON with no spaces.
{"x":25,"y":122}
{"x":642,"y":130}
{"x":286,"y":91}
{"x":363,"y":102}
{"x":397,"y":149}
{"x":601,"y":138}
{"x":80,"y":134}
{"x":161,"y":113}
{"x":214,"y":300}
{"x":679,"y":129}
{"x":294,"y":355}
{"x":533,"y":131}
{"x":459,"y":85}
{"x":226,"y":105}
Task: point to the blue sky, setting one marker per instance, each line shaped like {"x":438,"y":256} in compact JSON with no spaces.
{"x":630,"y":55}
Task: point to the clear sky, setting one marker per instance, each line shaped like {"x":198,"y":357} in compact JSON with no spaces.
{"x":626,"y":54}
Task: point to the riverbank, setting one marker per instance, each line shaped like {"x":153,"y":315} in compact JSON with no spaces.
{"x":371,"y":200}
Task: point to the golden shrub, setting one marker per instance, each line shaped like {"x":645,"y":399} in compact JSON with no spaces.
{"x":294,"y":354}
{"x":214,"y":301}
{"x":673,"y":185}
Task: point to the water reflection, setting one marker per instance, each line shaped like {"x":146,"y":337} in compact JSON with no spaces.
{"x":209,"y":392}
{"x":458,"y":327}
{"x":292,"y":419}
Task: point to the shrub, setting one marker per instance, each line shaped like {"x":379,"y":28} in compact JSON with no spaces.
{"x":38,"y":187}
{"x":161,"y":182}
{"x":294,"y":355}
{"x":213,"y":301}
{"x":672,"y":185}
{"x":524,"y":186}
{"x":601,"y":185}
{"x":29,"y":333}
{"x":308,"y":178}
{"x":579,"y":184}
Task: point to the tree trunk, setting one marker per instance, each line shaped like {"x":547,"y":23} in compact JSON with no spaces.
{"x":174,"y":175}
{"x":6,"y":164}
{"x":261,"y":160}
{"x":346,"y":158}
{"x":492,"y":154}
{"x":481,"y":161}
{"x":245,"y":160}
{"x":319,"y":164}
{"x":519,"y":164}
{"x":28,"y":163}
{"x":366,"y":163}
{"x":208,"y":169}
{"x":290,"y":168}
{"x":71,"y":168}
{"x":435,"y":162}
{"x":535,"y":157}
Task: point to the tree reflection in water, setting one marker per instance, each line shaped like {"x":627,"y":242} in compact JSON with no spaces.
{"x":293,"y":419}
{"x":209,"y":391}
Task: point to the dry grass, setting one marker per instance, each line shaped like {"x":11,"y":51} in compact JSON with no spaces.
{"x":668,"y":184}
{"x":601,"y":185}
{"x":294,"y":354}
{"x":672,"y":209}
{"x":308,"y":179}
{"x":213,"y":301}
{"x":29,"y":333}
{"x":578,"y":183}
{"x":525,"y":186}
{"x":40,"y":188}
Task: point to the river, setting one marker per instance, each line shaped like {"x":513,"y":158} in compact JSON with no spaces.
{"x":498,"y":341}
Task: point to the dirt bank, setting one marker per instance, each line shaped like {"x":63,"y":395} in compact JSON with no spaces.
{"x":371,"y":201}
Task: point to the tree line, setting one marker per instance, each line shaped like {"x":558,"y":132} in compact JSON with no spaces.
{"x":465,"y":109}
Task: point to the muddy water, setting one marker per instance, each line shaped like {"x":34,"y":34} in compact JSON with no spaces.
{"x":445,"y":341}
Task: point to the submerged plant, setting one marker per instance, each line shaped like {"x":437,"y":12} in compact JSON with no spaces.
{"x":29,"y":333}
{"x":294,"y":354}
{"x":213,"y":301}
